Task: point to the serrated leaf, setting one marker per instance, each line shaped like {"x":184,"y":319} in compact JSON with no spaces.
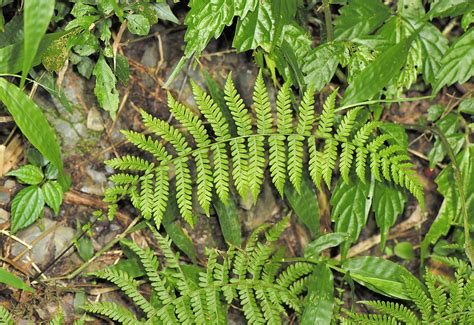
{"x":445,"y":8}
{"x":33,"y":124}
{"x":12,"y":281}
{"x":388,"y":204}
{"x":138,"y":24}
{"x":433,"y":45}
{"x":379,"y":275}
{"x":323,"y":242}
{"x":359,"y":17}
{"x":321,"y":63}
{"x":350,"y":204}
{"x":27,"y":206}
{"x":319,"y":302}
{"x":378,"y":74}
{"x":37,"y":14}
{"x":457,"y":65}
{"x":53,"y":195}
{"x":28,"y":174}
{"x":105,"y":90}
{"x":206,"y":20}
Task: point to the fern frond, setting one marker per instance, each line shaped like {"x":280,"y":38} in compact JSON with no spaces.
{"x":146,"y":194}
{"x":277,"y":161}
{"x":221,"y":171}
{"x":373,"y":319}
{"x":293,"y":273}
{"x":160,"y":194}
{"x":284,"y":114}
{"x":203,"y":178}
{"x":113,"y":311}
{"x":129,"y":162}
{"x":437,"y":294}
{"x":249,"y":303}
{"x":274,"y":233}
{"x":124,"y":179}
{"x":295,"y":160}
{"x":256,"y":165}
{"x":236,"y":105}
{"x":397,"y":311}
{"x":184,"y":190}
{"x":417,"y":294}
{"x":240,"y":165}
{"x":212,"y":112}
{"x":327,"y":116}
{"x":129,"y":286}
{"x":5,"y":316}
{"x":192,"y":123}
{"x":345,"y":128}
{"x":263,"y":109}
{"x":306,"y":113}
{"x":149,"y":145}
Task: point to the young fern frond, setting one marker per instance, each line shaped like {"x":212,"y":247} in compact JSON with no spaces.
{"x":221,"y":159}
{"x":252,"y":277}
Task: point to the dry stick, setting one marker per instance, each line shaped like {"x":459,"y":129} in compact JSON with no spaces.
{"x":469,"y":249}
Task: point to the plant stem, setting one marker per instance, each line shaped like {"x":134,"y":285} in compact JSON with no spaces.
{"x":327,"y":20}
{"x":469,"y":249}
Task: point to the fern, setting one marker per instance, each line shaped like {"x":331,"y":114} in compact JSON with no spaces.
{"x":5,"y":316}
{"x":442,"y":301}
{"x":251,"y":276}
{"x":241,"y":159}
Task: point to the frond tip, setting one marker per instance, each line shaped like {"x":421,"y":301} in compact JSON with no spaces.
{"x":223,"y":159}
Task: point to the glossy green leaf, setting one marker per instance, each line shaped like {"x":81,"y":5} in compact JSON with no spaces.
{"x":397,"y":133}
{"x":85,"y":248}
{"x":467,"y":106}
{"x":321,"y":63}
{"x":378,"y":74}
{"x":28,"y":174}
{"x":27,"y":206}
{"x":449,"y":126}
{"x":35,"y":157}
{"x":33,"y":124}
{"x":434,"y":45}
{"x":304,"y":204}
{"x":445,"y":8}
{"x":122,"y":70}
{"x":457,"y":65}
{"x":389,"y":203}
{"x":359,"y":17}
{"x":164,"y":12}
{"x":467,"y":19}
{"x":12,"y":281}
{"x":229,"y":220}
{"x":379,"y":275}
{"x":324,"y":242}
{"x":105,"y":90}
{"x":37,"y":14}
{"x":411,"y":8}
{"x":319,"y":302}
{"x":350,"y":204}
{"x":53,"y":195}
{"x":138,"y":24}
{"x":404,"y":250}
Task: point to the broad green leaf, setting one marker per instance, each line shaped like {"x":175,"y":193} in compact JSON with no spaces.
{"x":35,"y":157}
{"x":350,"y":204}
{"x":28,"y":174}
{"x":13,"y":32}
{"x":27,"y":206}
{"x":33,"y":124}
{"x":378,"y":74}
{"x":229,"y":220}
{"x":243,"y":7}
{"x":122,"y":70}
{"x":164,"y":12}
{"x":51,"y":172}
{"x":138,"y":24}
{"x":319,"y":301}
{"x":82,"y":9}
{"x":304,"y":204}
{"x":12,"y":281}
{"x":360,"y":17}
{"x":85,"y":248}
{"x":174,"y":230}
{"x":56,"y":54}
{"x":324,"y":242}
{"x":37,"y":14}
{"x":449,"y":126}
{"x":433,"y":45}
{"x":397,"y":133}
{"x":467,"y":19}
{"x":53,"y":195}
{"x":467,"y":106}
{"x":206,"y":20}
{"x":321,"y":63}
{"x":256,"y":29}
{"x":410,"y":8}
{"x":388,"y":204}
{"x":445,"y":8}
{"x":404,"y":250}
{"x":105,"y":90}
{"x":131,"y":266}
{"x":457,"y":65}
{"x":379,"y":275}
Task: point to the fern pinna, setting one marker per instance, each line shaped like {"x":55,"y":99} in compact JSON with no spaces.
{"x":242,"y":157}
{"x":252,"y":277}
{"x":441,"y":301}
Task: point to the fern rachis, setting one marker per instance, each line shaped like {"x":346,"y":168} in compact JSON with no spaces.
{"x":242,"y":157}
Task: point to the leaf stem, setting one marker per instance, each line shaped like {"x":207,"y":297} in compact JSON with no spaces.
{"x":469,"y":249}
{"x":327,"y":20}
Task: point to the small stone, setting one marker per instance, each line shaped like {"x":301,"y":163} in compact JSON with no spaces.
{"x":96,"y":176}
{"x":9,"y":184}
{"x":94,"y":120}
{"x":4,"y":198}
{"x":4,"y":216}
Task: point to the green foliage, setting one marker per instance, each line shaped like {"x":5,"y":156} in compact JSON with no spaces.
{"x":5,"y":316}
{"x":28,"y":203}
{"x":147,"y":184}
{"x":252,"y":276}
{"x":11,"y":280}
{"x":440,"y":300}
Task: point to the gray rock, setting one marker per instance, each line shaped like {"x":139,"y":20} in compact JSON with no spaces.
{"x":94,"y":120}
{"x":4,"y":198}
{"x":4,"y":216}
{"x":263,"y":211}
{"x":48,"y":247}
{"x":9,"y":184}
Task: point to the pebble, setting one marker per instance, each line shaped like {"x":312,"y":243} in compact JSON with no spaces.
{"x":4,"y":216}
{"x":94,"y":120}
